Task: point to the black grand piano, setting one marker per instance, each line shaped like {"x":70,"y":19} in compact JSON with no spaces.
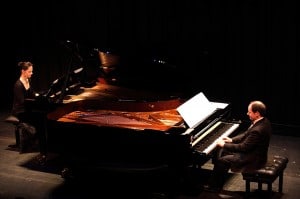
{"x":110,"y":126}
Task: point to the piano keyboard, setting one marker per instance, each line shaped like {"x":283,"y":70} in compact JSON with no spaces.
{"x":208,"y":140}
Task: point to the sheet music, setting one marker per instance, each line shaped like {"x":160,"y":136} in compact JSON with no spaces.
{"x":219,"y":105}
{"x":196,"y":109}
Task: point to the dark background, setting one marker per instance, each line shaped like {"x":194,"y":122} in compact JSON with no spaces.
{"x":233,"y":51}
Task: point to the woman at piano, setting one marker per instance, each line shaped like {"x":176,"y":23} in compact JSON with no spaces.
{"x":22,"y":90}
{"x":246,"y":151}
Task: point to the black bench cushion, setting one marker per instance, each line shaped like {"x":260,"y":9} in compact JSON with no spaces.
{"x":12,"y":119}
{"x":272,"y":168}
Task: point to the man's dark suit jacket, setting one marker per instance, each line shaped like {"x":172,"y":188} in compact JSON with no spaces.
{"x":252,"y":146}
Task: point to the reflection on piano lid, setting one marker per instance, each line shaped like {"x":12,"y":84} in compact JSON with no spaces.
{"x":72,"y":83}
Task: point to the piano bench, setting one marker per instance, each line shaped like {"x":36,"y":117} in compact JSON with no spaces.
{"x":15,"y":121}
{"x":268,"y":174}
{"x":12,"y":119}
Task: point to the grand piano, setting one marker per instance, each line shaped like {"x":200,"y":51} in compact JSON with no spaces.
{"x":110,"y":126}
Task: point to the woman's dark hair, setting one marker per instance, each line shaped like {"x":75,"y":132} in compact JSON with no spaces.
{"x":24,"y":65}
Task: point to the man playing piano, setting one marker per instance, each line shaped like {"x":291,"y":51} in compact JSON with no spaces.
{"x":245,"y":151}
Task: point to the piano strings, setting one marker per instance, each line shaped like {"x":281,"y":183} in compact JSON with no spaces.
{"x":156,"y":120}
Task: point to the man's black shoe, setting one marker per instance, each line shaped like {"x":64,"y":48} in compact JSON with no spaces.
{"x":212,"y":189}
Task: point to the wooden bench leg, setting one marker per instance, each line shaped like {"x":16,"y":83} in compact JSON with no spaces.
{"x":270,"y":189}
{"x":247,"y":194}
{"x":259,"y":186}
{"x":17,"y":136}
{"x":280,"y":182}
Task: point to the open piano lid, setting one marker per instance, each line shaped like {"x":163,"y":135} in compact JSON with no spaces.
{"x":197,"y":109}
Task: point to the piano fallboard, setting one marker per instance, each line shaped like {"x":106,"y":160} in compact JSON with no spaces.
{"x":206,"y":143}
